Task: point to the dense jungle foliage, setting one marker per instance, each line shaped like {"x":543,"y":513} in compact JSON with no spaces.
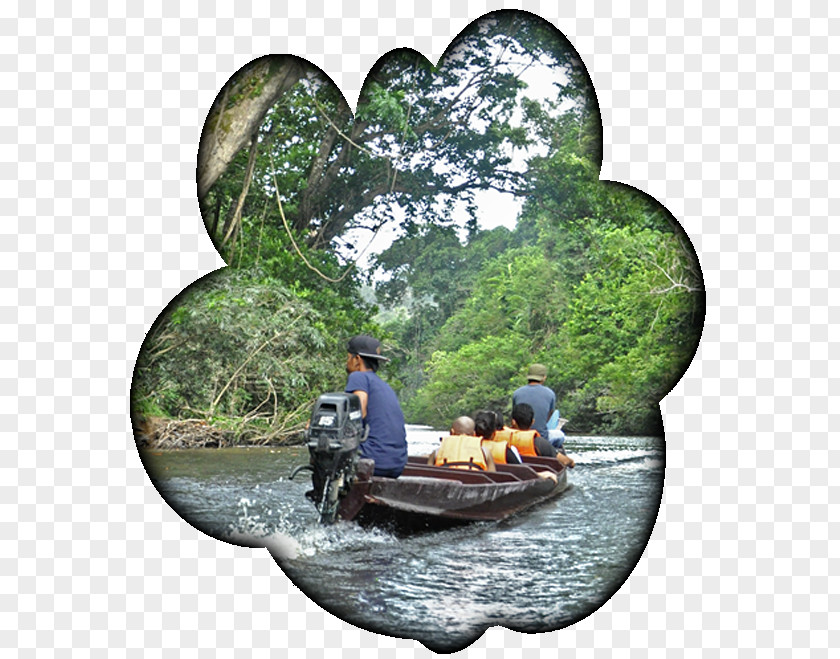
{"x":596,"y":280}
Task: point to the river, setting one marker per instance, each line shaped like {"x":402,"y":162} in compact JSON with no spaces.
{"x":542,"y":570}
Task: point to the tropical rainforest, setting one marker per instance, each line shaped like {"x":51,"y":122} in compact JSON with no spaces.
{"x":594,"y":279}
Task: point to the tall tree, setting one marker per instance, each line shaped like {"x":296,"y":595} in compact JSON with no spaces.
{"x":238,"y":111}
{"x":424,"y":138}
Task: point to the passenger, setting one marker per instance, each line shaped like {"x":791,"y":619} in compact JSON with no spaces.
{"x":491,"y":426}
{"x":528,"y":441}
{"x":487,"y":425}
{"x":500,"y":420}
{"x":461,"y":449}
{"x":556,"y":437}
{"x":541,"y":399}
{"x":386,"y":442}
{"x":463,"y":425}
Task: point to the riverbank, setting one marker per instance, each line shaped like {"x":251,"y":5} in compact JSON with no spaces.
{"x":161,"y":433}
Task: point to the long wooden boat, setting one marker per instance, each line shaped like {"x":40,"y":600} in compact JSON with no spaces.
{"x":423,"y":496}
{"x":429,"y":497}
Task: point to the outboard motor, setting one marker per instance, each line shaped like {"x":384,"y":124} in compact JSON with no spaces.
{"x":333,"y":437}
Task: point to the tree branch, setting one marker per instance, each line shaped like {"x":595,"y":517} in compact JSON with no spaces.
{"x":253,"y":354}
{"x":246,"y":184}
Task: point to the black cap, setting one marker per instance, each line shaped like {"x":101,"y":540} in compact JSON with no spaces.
{"x":366,"y":346}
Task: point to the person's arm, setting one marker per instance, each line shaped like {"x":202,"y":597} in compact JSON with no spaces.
{"x":488,"y":458}
{"x":363,"y":397}
{"x":565,"y":460}
{"x":544,"y":448}
{"x":354,"y":386}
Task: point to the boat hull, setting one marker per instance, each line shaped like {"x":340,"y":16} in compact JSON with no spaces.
{"x":430,"y":497}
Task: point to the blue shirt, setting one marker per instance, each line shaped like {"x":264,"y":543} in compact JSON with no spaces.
{"x":542,"y":399}
{"x":386,"y":444}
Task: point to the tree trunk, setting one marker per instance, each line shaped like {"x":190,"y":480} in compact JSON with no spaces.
{"x":239,"y":110}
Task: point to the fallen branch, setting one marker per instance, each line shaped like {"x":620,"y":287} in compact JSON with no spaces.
{"x":243,"y":365}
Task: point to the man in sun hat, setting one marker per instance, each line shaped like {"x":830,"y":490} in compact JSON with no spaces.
{"x":386,"y":442}
{"x":538,"y":396}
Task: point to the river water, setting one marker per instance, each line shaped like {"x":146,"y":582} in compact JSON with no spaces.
{"x":539,"y":571}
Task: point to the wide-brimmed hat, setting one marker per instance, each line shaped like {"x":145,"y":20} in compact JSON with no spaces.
{"x":366,"y":346}
{"x":537,"y":372}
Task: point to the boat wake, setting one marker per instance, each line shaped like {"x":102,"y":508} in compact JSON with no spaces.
{"x":637,"y":458}
{"x":289,"y":537}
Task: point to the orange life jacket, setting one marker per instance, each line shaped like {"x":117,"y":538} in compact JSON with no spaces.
{"x":461,"y":452}
{"x":498,"y":449}
{"x":503,"y":435}
{"x":523,"y":440}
